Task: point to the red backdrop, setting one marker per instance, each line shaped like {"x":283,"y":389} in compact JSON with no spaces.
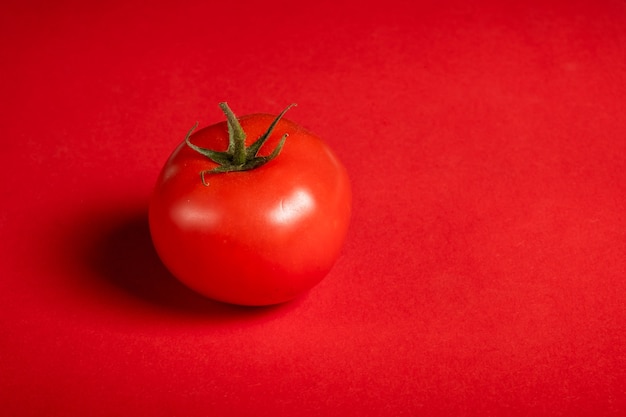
{"x":485,"y":267}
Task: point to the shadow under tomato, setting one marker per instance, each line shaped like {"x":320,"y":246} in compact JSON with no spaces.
{"x":123,"y":255}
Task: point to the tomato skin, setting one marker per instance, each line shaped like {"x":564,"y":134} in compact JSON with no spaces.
{"x":256,"y":237}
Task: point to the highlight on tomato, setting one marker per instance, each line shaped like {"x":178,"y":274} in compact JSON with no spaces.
{"x":251,"y":211}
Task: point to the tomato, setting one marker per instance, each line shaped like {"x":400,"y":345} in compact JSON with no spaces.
{"x":247,"y":221}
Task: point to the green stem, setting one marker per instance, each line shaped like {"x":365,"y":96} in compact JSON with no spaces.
{"x":236,"y":136}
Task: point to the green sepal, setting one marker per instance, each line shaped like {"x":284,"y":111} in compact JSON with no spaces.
{"x":253,"y":149}
{"x":215,"y":156}
{"x":238,"y":157}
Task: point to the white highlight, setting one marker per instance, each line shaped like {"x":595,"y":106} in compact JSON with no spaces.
{"x":192,"y":217}
{"x":298,"y":204}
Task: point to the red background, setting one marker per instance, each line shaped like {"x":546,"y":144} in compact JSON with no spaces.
{"x":485,"y":268}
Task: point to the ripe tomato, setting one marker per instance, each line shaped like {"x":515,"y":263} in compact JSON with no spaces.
{"x":250,"y":223}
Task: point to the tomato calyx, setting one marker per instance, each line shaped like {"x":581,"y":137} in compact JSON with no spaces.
{"x":238,"y":156}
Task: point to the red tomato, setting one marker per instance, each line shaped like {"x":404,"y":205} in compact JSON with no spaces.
{"x":251,"y":236}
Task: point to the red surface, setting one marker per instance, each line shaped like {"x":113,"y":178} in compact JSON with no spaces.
{"x":485,"y":268}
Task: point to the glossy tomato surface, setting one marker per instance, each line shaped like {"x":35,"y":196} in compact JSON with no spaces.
{"x":256,"y":237}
